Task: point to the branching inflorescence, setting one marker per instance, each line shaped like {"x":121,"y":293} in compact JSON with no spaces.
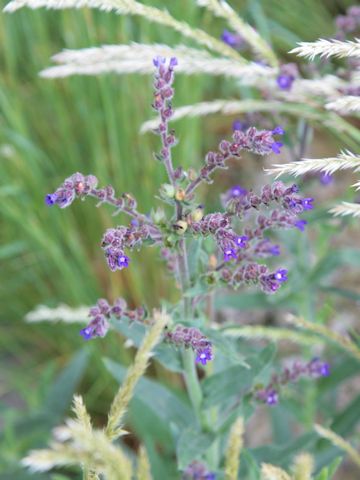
{"x":239,"y":251}
{"x":269,"y":394}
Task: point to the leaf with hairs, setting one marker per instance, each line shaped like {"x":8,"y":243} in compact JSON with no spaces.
{"x":235,"y":380}
{"x":192,"y":443}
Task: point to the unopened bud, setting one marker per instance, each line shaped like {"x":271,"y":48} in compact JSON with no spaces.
{"x":180,"y":195}
{"x":197,"y":214}
{"x":167,"y":190}
{"x":180,"y":227}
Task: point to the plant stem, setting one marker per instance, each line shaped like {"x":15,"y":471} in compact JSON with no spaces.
{"x":192,"y":382}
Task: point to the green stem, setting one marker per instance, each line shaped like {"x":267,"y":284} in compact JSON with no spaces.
{"x":192,"y":382}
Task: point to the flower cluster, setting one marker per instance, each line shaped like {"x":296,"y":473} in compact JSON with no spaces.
{"x":191,"y":337}
{"x":349,"y":23}
{"x":101,"y":313}
{"x":234,"y":40}
{"x":75,"y":186}
{"x":260,"y":142}
{"x":287,"y":197}
{"x":197,"y":471}
{"x":256,"y":274}
{"x":218,"y":225}
{"x":316,"y":368}
{"x":287,"y":75}
{"x":164,"y":92}
{"x":115,"y":240}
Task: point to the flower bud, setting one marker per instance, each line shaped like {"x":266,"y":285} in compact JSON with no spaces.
{"x":197,"y":214}
{"x":167,"y":190}
{"x":180,"y":194}
{"x":180,"y":227}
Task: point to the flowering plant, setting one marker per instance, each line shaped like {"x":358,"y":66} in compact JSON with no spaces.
{"x":228,"y":383}
{"x":230,"y":259}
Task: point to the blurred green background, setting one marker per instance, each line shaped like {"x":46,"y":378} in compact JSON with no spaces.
{"x":52,"y":128}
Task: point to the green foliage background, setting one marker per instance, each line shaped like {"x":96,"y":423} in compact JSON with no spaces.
{"x":52,"y":128}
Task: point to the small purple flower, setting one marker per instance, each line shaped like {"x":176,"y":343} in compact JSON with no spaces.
{"x":300,"y":224}
{"x":241,"y":241}
{"x":326,"y":178}
{"x":239,"y":125}
{"x":281,"y":275}
{"x":318,"y":368}
{"x":173,"y":62}
{"x":86,"y":333}
{"x":198,"y":471}
{"x":287,"y":75}
{"x":285,"y":81}
{"x":123,"y":261}
{"x":204,"y":355}
{"x":307,"y":203}
{"x":278,"y":130}
{"x":50,"y":199}
{"x":98,"y":327}
{"x":272,"y":397}
{"x":234,"y":40}
{"x":229,"y":254}
{"x":237,"y":191}
{"x":157,"y":61}
{"x":191,"y":337}
{"x":274,"y":250}
{"x":276,"y":146}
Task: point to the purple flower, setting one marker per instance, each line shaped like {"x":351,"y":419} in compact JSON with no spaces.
{"x":239,"y":125}
{"x":198,"y":471}
{"x":281,"y":275}
{"x":123,"y":261}
{"x":272,"y":397}
{"x":237,"y":191}
{"x":326,"y":178}
{"x":173,"y":62}
{"x":287,"y":75}
{"x":285,"y":81}
{"x":98,"y":327}
{"x":307,"y":203}
{"x":50,"y":199}
{"x":158,"y":61}
{"x":229,"y":254}
{"x":241,"y":241}
{"x":278,"y":130}
{"x":275,"y":250}
{"x":234,"y":40}
{"x":300,"y":224}
{"x":318,"y":368}
{"x":204,"y":355}
{"x":101,"y":313}
{"x":275,"y":147}
{"x":265,"y":248}
{"x":87,"y":333}
{"x":191,"y":337}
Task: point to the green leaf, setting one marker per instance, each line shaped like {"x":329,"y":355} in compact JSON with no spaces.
{"x":346,"y":420}
{"x":329,"y":471}
{"x":334,"y":260}
{"x":281,"y":454}
{"x":62,"y":391}
{"x":235,"y":380}
{"x":192,"y":443}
